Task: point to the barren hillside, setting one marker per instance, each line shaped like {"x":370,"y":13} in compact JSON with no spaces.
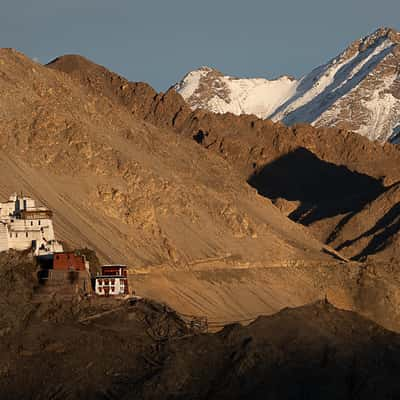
{"x":134,"y":192}
{"x":104,"y":154}
{"x":375,"y":230}
{"x":320,"y":177}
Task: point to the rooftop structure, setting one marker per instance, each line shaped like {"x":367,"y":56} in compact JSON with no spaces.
{"x":23,"y":225}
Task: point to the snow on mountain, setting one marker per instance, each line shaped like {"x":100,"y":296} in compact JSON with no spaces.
{"x":358,"y":90}
{"x":208,"y":88}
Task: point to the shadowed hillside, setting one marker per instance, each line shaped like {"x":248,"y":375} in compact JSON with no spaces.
{"x":375,"y":230}
{"x":101,"y":349}
{"x":318,"y":186}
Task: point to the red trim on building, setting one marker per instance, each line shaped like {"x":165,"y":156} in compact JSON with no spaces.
{"x":118,"y":270}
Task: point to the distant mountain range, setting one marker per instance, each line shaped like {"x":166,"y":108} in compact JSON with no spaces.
{"x":359,"y":90}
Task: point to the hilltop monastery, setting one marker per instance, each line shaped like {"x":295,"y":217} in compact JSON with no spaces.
{"x":24,"y":226}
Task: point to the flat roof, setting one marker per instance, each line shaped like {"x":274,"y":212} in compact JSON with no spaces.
{"x":110,"y":276}
{"x":115,"y":265}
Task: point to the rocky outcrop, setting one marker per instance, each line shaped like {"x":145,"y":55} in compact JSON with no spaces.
{"x":145,"y":350}
{"x":374,"y":231}
{"x":319,"y":352}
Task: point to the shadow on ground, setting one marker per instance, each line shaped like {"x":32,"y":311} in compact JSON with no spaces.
{"x":323,"y":189}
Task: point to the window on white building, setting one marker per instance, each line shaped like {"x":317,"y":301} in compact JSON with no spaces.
{"x":26,"y":234}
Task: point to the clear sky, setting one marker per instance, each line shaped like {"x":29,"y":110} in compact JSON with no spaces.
{"x":159,"y":41}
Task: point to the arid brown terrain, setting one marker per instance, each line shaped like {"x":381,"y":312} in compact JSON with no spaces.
{"x":96,"y":348}
{"x":320,"y":177}
{"x":132,"y":191}
{"x":216,"y":215}
{"x":124,"y":169}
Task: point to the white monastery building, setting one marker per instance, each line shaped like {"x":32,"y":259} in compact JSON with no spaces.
{"x":23,"y":225}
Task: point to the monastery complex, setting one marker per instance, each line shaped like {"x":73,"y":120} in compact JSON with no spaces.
{"x":26,"y":226}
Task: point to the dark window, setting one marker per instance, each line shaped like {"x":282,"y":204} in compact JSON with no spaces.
{"x":31,"y":223}
{"x":26,"y":234}
{"x":39,"y":222}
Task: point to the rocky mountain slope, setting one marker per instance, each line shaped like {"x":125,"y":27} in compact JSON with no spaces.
{"x":375,"y":230}
{"x":358,"y":90}
{"x":313,"y":352}
{"x":247,"y":142}
{"x":143,"y":192}
{"x":142,"y":179}
{"x":138,"y":193}
{"x":318,"y":176}
{"x":208,"y":89}
{"x":97,"y":348}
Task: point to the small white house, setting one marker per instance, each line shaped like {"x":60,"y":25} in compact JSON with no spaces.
{"x":112,"y":281}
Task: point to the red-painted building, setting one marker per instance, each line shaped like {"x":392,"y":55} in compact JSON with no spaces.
{"x":69,"y":261}
{"x":66,"y":272}
{"x":113,"y":281}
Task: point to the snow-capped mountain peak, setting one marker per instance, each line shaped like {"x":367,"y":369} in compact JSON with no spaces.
{"x":357,"y":90}
{"x":209,"y":89}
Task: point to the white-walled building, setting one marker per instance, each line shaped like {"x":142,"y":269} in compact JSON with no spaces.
{"x":113,"y":281}
{"x":23,"y":225}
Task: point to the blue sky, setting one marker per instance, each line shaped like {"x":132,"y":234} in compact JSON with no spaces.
{"x":159,"y":41}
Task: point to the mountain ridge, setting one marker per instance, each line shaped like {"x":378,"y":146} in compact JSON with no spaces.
{"x":138,"y":193}
{"x":363,"y":78}
{"x":270,"y":155}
